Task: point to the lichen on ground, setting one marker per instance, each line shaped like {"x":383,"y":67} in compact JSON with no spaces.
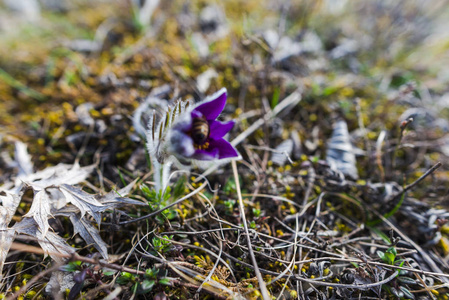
{"x":343,"y":108}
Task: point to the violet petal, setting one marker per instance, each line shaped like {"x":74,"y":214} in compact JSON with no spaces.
{"x":182,"y":144}
{"x":211,"y":109}
{"x":209,"y":154}
{"x":219,"y":129}
{"x":225,"y":149}
{"x":196,"y":114}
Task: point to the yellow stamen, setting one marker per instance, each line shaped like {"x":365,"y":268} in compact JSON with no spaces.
{"x":201,"y":147}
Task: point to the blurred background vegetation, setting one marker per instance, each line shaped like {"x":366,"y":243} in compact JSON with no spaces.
{"x":72,"y":73}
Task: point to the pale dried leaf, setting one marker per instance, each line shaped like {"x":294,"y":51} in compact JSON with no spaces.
{"x":10,"y":201}
{"x":116,"y":198}
{"x":26,"y":226}
{"x":60,"y":174}
{"x":49,"y":172}
{"x":59,"y":282}
{"x":200,"y":44}
{"x":119,"y":201}
{"x":283,"y":152}
{"x":83,"y":114}
{"x":203,"y":80}
{"x":297,"y":146}
{"x":6,"y":237}
{"x":125,"y":190}
{"x":58,"y":200}
{"x":65,"y":211}
{"x":340,"y":153}
{"x":23,"y":159}
{"x":40,"y":211}
{"x":52,"y":244}
{"x":213,"y":22}
{"x":84,"y":201}
{"x":89,"y":233}
{"x":9,"y":204}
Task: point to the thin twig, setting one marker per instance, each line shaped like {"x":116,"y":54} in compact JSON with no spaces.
{"x":263,"y":288}
{"x":430,"y":171}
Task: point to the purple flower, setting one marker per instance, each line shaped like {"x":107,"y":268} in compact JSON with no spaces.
{"x":198,"y":135}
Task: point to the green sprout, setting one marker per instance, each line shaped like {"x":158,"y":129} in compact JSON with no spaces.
{"x":388,"y":256}
{"x":158,"y":200}
{"x":229,"y":205}
{"x":163,"y":244}
{"x":256,"y":212}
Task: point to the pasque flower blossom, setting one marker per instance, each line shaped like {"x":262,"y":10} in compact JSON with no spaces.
{"x":198,"y":135}
{"x":189,"y":134}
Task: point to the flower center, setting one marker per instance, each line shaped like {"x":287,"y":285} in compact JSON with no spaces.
{"x":200,"y":131}
{"x":201,"y":147}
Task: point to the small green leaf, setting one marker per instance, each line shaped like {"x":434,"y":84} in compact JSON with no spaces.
{"x":407,"y":293}
{"x":389,"y":258}
{"x":229,"y":186}
{"x":151,"y":273}
{"x":275,"y":98}
{"x":125,"y":277}
{"x":406,"y":280}
{"x":146,"y":286}
{"x":256,"y":212}
{"x":381,"y":255}
{"x":72,"y":266}
{"x":157,"y":243}
{"x":314,"y":159}
{"x":180,"y":187}
{"x":160,"y":219}
{"x":382,"y":235}
{"x":403,"y":272}
{"x":167,"y":194}
{"x":171,"y":214}
{"x":329,"y":90}
{"x":150,"y":194}
{"x":396,"y":292}
{"x":392,"y":250}
{"x":109,"y":273}
{"x":252,"y":225}
{"x":165,"y":281}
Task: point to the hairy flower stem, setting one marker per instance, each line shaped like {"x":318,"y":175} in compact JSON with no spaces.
{"x":161,"y":174}
{"x":156,"y":174}
{"x":165,"y":175}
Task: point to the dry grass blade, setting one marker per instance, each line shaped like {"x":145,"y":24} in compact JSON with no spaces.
{"x":262,"y":285}
{"x":213,"y":287}
{"x":339,"y":114}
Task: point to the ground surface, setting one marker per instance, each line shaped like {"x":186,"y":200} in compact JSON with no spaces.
{"x":341,"y":112}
